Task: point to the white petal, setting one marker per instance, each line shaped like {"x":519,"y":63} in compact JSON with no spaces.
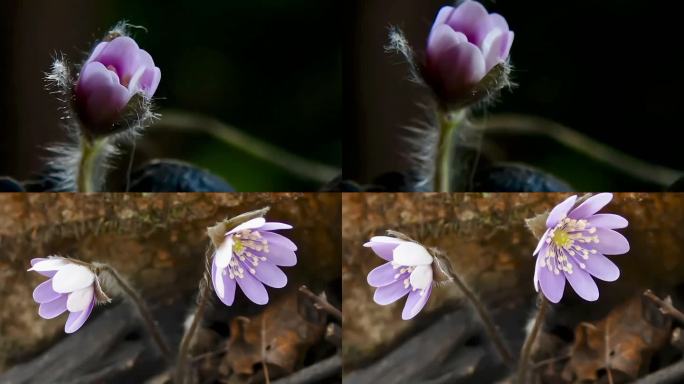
{"x":49,"y":265}
{"x":250,"y":224}
{"x":541,"y":241}
{"x":218,"y":282}
{"x":80,"y":300}
{"x":410,"y":254}
{"x":421,"y":277}
{"x":224,"y":253}
{"x":386,"y":239}
{"x":72,"y":277}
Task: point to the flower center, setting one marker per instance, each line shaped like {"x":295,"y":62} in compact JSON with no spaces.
{"x":249,"y":249}
{"x":568,"y":245}
{"x":561,"y":238}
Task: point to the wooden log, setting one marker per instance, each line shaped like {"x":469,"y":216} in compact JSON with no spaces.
{"x":422,"y":355}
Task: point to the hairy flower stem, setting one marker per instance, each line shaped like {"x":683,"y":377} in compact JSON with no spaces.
{"x":523,"y":363}
{"x":216,"y":234}
{"x":449,"y":122}
{"x":145,"y":313}
{"x":87,"y":178}
{"x":489,"y":326}
{"x":203,"y":299}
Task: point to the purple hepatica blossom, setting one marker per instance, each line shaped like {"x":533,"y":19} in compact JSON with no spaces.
{"x":574,"y":245}
{"x":408,"y":271}
{"x":70,"y":287}
{"x":249,"y":257}
{"x":115,"y":71}
{"x":464,"y":45}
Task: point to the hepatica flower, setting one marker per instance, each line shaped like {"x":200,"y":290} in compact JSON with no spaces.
{"x":71,"y":287}
{"x":249,"y":257}
{"x":116,"y":71}
{"x":574,"y":246}
{"x":465,"y":44}
{"x":408,"y":271}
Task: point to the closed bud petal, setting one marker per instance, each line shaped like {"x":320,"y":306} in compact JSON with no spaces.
{"x":113,"y":79}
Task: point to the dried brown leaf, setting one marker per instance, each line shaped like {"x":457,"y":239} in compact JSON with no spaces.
{"x":623,"y":342}
{"x":291,"y":328}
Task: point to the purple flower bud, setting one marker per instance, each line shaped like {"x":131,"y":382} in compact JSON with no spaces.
{"x":249,"y":257}
{"x":574,"y":245}
{"x":464,"y":45}
{"x":116,"y":71}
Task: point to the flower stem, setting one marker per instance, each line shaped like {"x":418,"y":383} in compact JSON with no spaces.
{"x":145,"y":313}
{"x":489,"y":326}
{"x":449,"y":122}
{"x":203,"y":299}
{"x":531,"y":338}
{"x":91,"y":149}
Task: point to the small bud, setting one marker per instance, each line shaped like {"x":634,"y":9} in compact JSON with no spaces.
{"x":115,"y":73}
{"x":467,"y":54}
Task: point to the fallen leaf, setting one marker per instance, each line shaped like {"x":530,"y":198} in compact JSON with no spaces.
{"x":291,"y":325}
{"x":622,"y":343}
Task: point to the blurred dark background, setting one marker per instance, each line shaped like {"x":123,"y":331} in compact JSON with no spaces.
{"x":270,"y":68}
{"x":608,"y":69}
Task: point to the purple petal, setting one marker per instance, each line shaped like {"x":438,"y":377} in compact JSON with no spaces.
{"x":54,"y":308}
{"x":610,"y":242}
{"x":382,"y":275}
{"x":442,"y":39}
{"x":442,"y":16}
{"x":591,"y":206}
{"x":269,"y":274}
{"x":472,"y":19}
{"x":384,"y":250}
{"x":506,"y":46}
{"x":229,"y":285}
{"x":391,"y":293}
{"x":415,"y":303}
{"x":47,"y":273}
{"x":99,"y":95}
{"x":77,"y":319}
{"x":498,"y":21}
{"x":460,"y":68}
{"x":253,"y":288}
{"x":582,"y":283}
{"x":496,"y":47}
{"x":601,"y":267}
{"x":552,"y":285}
{"x":274,"y":226}
{"x":608,"y":221}
{"x":278,"y":240}
{"x":149,"y":81}
{"x":44,"y":293}
{"x":560,"y":211}
{"x":96,"y":52}
{"x":279,"y":256}
{"x":121,"y":53}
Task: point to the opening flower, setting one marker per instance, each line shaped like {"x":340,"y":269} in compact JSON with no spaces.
{"x":249,"y":257}
{"x":574,"y":246}
{"x":465,"y":44}
{"x":115,"y":71}
{"x":71,"y":287}
{"x":408,"y":271}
